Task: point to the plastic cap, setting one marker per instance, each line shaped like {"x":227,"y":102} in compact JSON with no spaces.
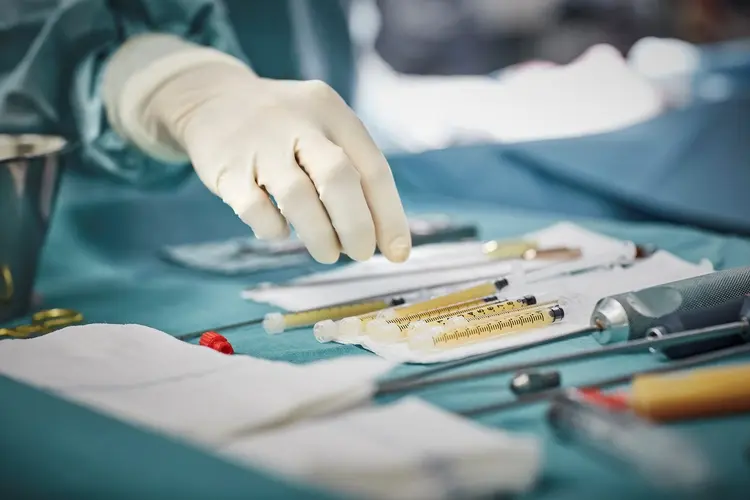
{"x":426,"y":329}
{"x":217,"y":342}
{"x":325,"y":331}
{"x":387,"y":332}
{"x":350,"y":327}
{"x":374,"y":326}
{"x":273,"y":323}
{"x":422,"y":341}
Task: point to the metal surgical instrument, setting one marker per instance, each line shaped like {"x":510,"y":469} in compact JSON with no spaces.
{"x":631,"y":315}
{"x":677,"y":339}
{"x":543,"y":396}
{"x":558,"y":254}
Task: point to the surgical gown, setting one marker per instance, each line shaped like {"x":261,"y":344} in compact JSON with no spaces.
{"x":54,"y":51}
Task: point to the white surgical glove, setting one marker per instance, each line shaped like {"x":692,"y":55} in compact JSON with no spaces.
{"x":251,"y":138}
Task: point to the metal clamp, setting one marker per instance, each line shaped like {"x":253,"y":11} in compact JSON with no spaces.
{"x":7,"y":277}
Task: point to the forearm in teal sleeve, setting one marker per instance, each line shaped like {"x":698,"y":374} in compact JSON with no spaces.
{"x":57,"y":85}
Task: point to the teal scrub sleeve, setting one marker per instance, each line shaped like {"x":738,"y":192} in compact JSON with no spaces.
{"x":53,"y":82}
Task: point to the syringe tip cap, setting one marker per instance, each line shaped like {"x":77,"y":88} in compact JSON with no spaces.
{"x":422,"y":341}
{"x":325,"y":331}
{"x":387,"y":332}
{"x":273,"y":323}
{"x":350,"y":327}
{"x":217,"y":342}
{"x":425,"y":329}
{"x":209,"y":337}
{"x":374,"y":326}
{"x":223,"y":347}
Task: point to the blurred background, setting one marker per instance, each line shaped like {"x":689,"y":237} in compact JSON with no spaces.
{"x":438,"y":73}
{"x":452,"y":37}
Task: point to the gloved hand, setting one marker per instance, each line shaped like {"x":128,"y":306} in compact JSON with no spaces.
{"x":251,"y":138}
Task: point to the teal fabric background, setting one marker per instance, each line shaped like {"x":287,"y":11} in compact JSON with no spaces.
{"x":101,"y":258}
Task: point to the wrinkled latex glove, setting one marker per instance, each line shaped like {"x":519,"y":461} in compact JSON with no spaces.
{"x":251,"y":138}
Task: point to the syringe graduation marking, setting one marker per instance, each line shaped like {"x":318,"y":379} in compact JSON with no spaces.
{"x":492,"y":309}
{"x":532,"y":317}
{"x":473,"y":309}
{"x":512,"y":323}
{"x":474,"y":293}
{"x":445,"y":311}
{"x":450,"y":299}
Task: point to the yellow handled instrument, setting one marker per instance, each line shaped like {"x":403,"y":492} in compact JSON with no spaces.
{"x":685,"y":395}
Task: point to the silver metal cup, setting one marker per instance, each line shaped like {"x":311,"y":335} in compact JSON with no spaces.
{"x":30,"y":172}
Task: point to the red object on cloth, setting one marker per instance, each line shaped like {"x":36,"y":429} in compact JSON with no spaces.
{"x":217,"y":342}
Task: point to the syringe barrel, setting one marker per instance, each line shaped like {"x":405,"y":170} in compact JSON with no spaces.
{"x":489,"y":328}
{"x":465,"y":294}
{"x":628,"y":316}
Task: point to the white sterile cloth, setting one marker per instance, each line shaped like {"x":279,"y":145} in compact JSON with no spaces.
{"x":580,"y":294}
{"x":597,"y":93}
{"x":408,"y":450}
{"x":290,"y":420}
{"x":147,"y":377}
{"x":423,"y":269}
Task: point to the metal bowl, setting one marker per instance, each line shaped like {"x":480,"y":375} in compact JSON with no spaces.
{"x":30,"y":172}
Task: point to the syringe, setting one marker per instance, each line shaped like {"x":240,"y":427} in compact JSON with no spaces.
{"x":335,"y":311}
{"x":299,"y":318}
{"x":276,"y":322}
{"x":480,"y":315}
{"x":484,"y":330}
{"x":354,"y":325}
{"x":618,"y":318}
{"x":454,"y":316}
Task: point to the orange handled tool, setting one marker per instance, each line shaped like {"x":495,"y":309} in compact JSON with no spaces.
{"x":707,"y":392}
